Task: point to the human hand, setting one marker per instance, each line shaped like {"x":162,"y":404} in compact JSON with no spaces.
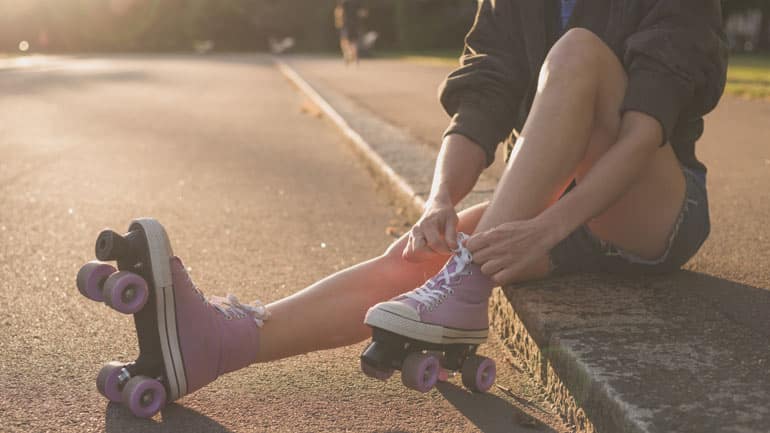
{"x":508,"y":250}
{"x":435,"y":233}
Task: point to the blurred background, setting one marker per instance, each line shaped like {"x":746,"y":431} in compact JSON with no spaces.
{"x":180,"y":25}
{"x":233,"y":25}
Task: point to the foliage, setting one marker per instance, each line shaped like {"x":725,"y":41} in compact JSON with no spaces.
{"x":86,"y":25}
{"x":163,"y":25}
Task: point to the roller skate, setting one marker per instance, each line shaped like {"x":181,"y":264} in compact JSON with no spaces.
{"x":185,"y":340}
{"x":434,"y":329}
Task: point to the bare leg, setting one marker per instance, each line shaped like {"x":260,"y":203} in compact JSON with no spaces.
{"x":354,"y":51}
{"x":574,"y":120}
{"x":330,"y":313}
{"x":345,"y":47}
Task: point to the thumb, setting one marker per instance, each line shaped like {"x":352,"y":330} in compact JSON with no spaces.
{"x":450,"y":233}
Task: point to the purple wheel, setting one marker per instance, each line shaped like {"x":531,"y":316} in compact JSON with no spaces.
{"x":376,"y":372}
{"x":125,"y":292}
{"x":420,"y":371}
{"x":91,"y":278}
{"x":479,"y":373}
{"x":108,"y":381}
{"x":144,"y":396}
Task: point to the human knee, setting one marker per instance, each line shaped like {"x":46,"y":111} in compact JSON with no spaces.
{"x":576,"y":56}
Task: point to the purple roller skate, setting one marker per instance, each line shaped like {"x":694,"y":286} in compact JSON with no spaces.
{"x":185,"y":340}
{"x":439,"y":324}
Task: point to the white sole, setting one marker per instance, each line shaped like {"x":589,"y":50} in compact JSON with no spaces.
{"x":160,"y":255}
{"x":397,"y":324}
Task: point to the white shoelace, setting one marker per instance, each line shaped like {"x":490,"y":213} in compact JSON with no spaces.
{"x":231,"y":307}
{"x":436,"y":289}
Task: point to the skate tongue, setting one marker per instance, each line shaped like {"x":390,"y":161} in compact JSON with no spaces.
{"x":440,"y":286}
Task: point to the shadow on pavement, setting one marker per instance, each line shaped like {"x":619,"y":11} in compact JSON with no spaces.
{"x":174,"y":418}
{"x":745,"y":305}
{"x":490,"y":413}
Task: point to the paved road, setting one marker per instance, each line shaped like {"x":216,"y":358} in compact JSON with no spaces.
{"x":259,"y":200}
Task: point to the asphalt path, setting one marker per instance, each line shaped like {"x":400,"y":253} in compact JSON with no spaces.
{"x":260,"y":200}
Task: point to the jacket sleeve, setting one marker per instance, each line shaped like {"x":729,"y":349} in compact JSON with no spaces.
{"x":484,"y":93}
{"x":676,"y":61}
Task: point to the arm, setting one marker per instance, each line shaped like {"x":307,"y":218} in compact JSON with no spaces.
{"x":609,"y":178}
{"x":458,"y":167}
{"x":482,"y":96}
{"x":676,"y":62}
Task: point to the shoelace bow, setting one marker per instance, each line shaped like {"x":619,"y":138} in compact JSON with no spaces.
{"x":230,"y":307}
{"x":436,"y":289}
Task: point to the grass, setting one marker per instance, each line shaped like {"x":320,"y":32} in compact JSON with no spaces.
{"x":748,"y":75}
{"x":432,"y":57}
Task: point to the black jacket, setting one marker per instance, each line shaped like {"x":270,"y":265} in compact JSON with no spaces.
{"x":674,"y":52}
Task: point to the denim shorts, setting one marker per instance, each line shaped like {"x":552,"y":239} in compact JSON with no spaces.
{"x":583,"y":252}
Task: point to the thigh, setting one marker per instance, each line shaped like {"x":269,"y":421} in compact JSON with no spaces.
{"x":642,"y":220}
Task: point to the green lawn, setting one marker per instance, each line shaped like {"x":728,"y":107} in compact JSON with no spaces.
{"x":433,"y":57}
{"x":748,"y":75}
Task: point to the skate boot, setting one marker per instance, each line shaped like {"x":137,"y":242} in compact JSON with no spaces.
{"x":434,"y":328}
{"x":185,"y":340}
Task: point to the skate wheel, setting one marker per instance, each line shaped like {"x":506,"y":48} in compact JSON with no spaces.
{"x":420,"y":371}
{"x":125,"y":292}
{"x":479,"y":373}
{"x":91,"y":278}
{"x":144,"y":396}
{"x":108,"y":381}
{"x":376,"y":373}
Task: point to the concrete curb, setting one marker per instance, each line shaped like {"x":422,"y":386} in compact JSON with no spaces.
{"x":398,"y":182}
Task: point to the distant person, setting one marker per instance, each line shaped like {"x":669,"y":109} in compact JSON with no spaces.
{"x":604,"y":100}
{"x":346,"y":21}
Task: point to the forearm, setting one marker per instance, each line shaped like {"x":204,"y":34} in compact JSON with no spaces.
{"x":610,"y":176}
{"x":458,"y":167}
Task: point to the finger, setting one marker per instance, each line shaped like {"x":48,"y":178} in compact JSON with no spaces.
{"x":419,"y":250}
{"x":434,"y":240}
{"x":408,"y":251}
{"x":415,"y":242}
{"x":418,"y":239}
{"x":492,"y":267}
{"x":484,"y":255}
{"x":477,"y":242}
{"x":506,"y":276}
{"x":450,"y":233}
{"x":417,"y":255}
